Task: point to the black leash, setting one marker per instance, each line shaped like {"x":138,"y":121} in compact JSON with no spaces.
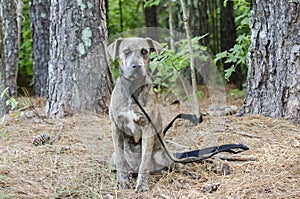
{"x":195,"y":155}
{"x":192,"y":118}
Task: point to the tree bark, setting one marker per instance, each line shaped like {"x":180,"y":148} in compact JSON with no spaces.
{"x":79,"y":75}
{"x":2,"y":72}
{"x":39,"y":26}
{"x":11,"y":43}
{"x":274,"y":63}
{"x":228,"y":36}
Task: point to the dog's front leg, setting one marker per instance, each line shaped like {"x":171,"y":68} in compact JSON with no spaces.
{"x":122,"y":174}
{"x":147,"y":147}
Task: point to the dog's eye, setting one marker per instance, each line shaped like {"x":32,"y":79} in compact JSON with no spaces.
{"x":144,"y":52}
{"x":127,"y":52}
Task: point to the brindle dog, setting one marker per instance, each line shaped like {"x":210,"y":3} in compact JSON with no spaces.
{"x":137,"y":148}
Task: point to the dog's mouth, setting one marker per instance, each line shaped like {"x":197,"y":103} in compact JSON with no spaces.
{"x":134,"y":74}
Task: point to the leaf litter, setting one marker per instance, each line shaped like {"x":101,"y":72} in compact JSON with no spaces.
{"x":77,"y":164}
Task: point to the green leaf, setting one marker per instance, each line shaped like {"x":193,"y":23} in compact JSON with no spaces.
{"x":220,"y":56}
{"x":4,"y":133}
{"x":228,"y":72}
{"x":150,"y":3}
{"x":4,"y":93}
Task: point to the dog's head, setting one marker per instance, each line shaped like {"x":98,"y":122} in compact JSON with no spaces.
{"x":134,"y":55}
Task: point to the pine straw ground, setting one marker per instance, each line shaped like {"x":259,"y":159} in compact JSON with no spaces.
{"x":77,"y":165}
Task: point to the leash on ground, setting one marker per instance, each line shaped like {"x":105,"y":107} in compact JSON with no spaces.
{"x":194,"y":155}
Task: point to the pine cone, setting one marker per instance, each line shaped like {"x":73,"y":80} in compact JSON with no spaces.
{"x":40,"y":139}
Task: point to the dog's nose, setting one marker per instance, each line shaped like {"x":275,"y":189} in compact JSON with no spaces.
{"x":135,"y":65}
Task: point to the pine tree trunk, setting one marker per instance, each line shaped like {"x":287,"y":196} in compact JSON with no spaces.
{"x":79,"y":75}
{"x":2,"y":72}
{"x":274,"y":61}
{"x":228,"y":36}
{"x":11,"y":43}
{"x":39,"y":26}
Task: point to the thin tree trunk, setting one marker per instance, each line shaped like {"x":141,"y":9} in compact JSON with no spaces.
{"x":151,"y":21}
{"x":199,"y":20}
{"x":213,"y":29}
{"x":106,"y":8}
{"x":19,"y":12}
{"x":79,"y":75}
{"x":2,"y":72}
{"x":228,"y":36}
{"x":11,"y":41}
{"x":192,"y":59}
{"x":170,"y":10}
{"x":121,"y":15}
{"x":39,"y":26}
{"x":274,"y":61}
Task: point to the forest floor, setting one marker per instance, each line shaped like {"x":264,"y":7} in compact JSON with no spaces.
{"x":77,"y":164}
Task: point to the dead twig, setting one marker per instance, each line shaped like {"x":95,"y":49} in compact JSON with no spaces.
{"x":178,"y":145}
{"x":247,"y":134}
{"x":25,"y":108}
{"x":235,"y":157}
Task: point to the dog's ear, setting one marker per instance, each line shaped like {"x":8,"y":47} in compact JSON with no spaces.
{"x":113,"y":48}
{"x":154,"y":45}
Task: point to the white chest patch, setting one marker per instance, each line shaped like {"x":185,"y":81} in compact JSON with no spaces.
{"x":127,"y":121}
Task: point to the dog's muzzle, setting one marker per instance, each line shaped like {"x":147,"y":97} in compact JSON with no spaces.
{"x":134,"y":71}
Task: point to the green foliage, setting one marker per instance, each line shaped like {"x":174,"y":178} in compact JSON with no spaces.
{"x":236,"y":93}
{"x":130,"y":18}
{"x":3,"y":133}
{"x":169,"y":66}
{"x":25,"y":55}
{"x":115,"y":69}
{"x":11,"y":102}
{"x":238,"y":53}
{"x":150,"y":3}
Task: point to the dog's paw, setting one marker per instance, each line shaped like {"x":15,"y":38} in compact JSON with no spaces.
{"x":141,"y":188}
{"x":123,"y":185}
{"x":140,"y":120}
{"x":141,"y":185}
{"x":123,"y":181}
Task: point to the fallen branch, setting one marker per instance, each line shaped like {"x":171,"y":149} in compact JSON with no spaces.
{"x":24,"y":108}
{"x":247,"y":134}
{"x":235,"y":157}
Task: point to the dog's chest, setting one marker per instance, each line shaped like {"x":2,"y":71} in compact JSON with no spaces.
{"x":131,"y":122}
